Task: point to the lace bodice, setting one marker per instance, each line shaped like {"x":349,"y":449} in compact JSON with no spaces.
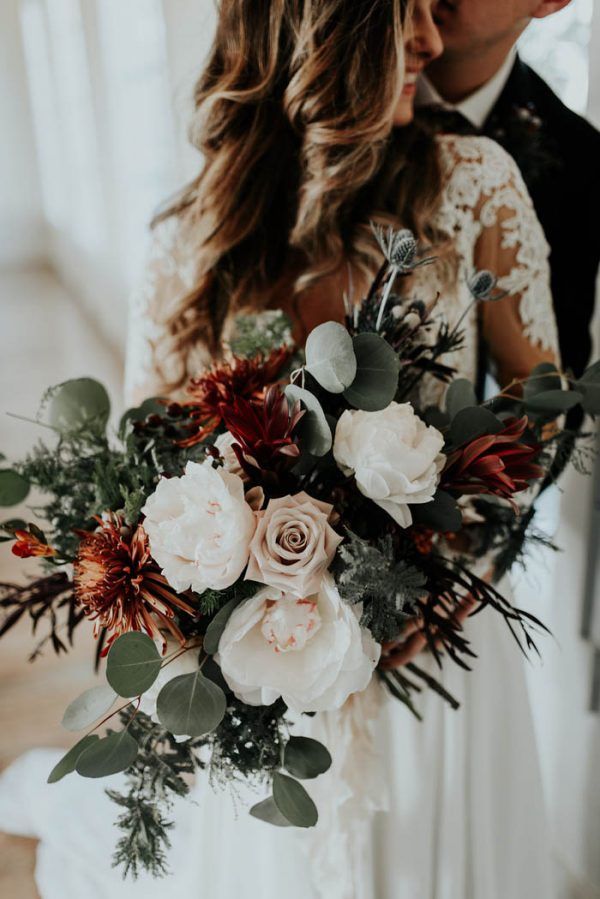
{"x":486,"y":211}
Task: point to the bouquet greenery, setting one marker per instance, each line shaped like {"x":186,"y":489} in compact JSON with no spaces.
{"x":248,"y":554}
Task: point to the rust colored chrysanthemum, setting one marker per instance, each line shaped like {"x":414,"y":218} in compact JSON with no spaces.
{"x":29,"y":544}
{"x":120,"y":587}
{"x":498,"y":464}
{"x":245,"y":379}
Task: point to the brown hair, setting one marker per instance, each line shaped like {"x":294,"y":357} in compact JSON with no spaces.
{"x":294,"y":118}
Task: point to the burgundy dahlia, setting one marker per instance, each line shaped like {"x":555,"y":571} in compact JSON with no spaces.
{"x":219,"y":387}
{"x":498,"y":464}
{"x":119,"y":586}
{"x":264,"y":432}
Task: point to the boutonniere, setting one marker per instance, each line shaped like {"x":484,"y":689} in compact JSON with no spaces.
{"x":520,"y":130}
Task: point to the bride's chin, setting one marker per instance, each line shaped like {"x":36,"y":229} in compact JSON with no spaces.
{"x":404,"y":114}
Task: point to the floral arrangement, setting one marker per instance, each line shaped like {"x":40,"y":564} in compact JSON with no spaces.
{"x":253,"y":553}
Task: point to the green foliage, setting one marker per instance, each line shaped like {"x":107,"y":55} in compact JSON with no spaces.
{"x":84,"y":474}
{"x":67,"y":763}
{"x":306,"y":758}
{"x":260,"y":333}
{"x":156,"y":777}
{"x":13,"y":488}
{"x":88,"y":707}
{"x":385,"y":585}
{"x":330,"y":356}
{"x":133,"y":664}
{"x":378,"y":368}
{"x":107,"y":756}
{"x":293,"y":801}
{"x":191,"y":705}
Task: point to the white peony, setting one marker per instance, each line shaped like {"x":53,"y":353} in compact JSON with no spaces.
{"x":200,"y":527}
{"x":395,"y":457}
{"x":312,"y":652}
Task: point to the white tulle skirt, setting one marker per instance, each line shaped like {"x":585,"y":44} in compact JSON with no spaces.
{"x":450,"y":808}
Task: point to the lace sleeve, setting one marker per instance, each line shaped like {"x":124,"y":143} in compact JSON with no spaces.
{"x":520,"y":330}
{"x":168,"y":275}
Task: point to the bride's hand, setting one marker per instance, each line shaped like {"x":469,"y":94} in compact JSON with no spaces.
{"x":412,"y":640}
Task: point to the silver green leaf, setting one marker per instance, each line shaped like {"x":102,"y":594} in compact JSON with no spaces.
{"x":314,"y":431}
{"x":107,"y":756}
{"x":330,"y":357}
{"x":88,"y":707}
{"x":82,"y":401}
{"x":268,"y":811}
{"x":67,"y":763}
{"x":13,"y":488}
{"x":306,"y":758}
{"x":191,"y":705}
{"x":293,"y":801}
{"x":133,"y":664}
{"x":376,"y":381}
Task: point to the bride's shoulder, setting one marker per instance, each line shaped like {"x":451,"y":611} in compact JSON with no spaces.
{"x":479,"y":158}
{"x":170,"y":246}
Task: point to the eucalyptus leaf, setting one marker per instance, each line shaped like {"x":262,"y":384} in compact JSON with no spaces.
{"x":460,"y":395}
{"x":191,"y":705}
{"x":544,"y":376}
{"x":306,"y":758}
{"x":554,"y":401}
{"x":133,"y":664}
{"x":442,"y":514}
{"x":215,"y":629}
{"x":67,"y":763}
{"x":313,"y":430}
{"x":79,"y":402}
{"x":473,"y":422}
{"x":88,"y":707}
{"x":591,"y":396}
{"x":293,"y":801}
{"x":330,"y":357}
{"x":592,"y":374}
{"x":14,"y":488}
{"x":378,"y":367}
{"x":107,"y":756}
{"x":139,"y":413}
{"x":268,"y":811}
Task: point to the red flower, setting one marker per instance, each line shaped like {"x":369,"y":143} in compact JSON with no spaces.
{"x":495,"y":463}
{"x":218,"y":388}
{"x":119,"y":585}
{"x":264,"y":432}
{"x":30,"y":544}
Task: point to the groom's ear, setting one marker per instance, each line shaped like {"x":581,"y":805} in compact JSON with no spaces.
{"x":547,"y":7}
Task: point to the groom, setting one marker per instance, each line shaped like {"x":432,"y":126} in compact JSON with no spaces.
{"x":485,"y":88}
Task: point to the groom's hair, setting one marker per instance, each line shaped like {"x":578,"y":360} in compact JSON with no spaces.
{"x":294,"y":119}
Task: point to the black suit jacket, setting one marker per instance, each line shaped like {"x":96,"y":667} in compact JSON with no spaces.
{"x":558,"y":153}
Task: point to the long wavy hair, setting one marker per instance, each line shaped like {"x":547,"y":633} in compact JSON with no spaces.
{"x":294,"y":119}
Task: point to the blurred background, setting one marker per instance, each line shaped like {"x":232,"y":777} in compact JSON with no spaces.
{"x":94,"y":106}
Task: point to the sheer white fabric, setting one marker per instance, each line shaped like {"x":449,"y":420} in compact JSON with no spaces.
{"x":450,"y":808}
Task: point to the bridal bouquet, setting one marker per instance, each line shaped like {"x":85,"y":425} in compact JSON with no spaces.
{"x":246,"y":555}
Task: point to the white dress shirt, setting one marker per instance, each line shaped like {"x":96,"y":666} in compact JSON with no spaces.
{"x":477,"y":107}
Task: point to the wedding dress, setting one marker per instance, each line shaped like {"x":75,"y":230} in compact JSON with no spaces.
{"x":447,"y":808}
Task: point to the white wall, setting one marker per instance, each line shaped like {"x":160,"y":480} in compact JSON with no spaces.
{"x":22,"y":231}
{"x":190,"y":28}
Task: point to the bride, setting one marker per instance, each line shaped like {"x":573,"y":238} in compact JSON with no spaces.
{"x":305,"y":121}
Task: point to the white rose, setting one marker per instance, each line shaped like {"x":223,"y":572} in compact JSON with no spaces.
{"x":185,"y":664}
{"x":395,"y":457}
{"x":200,"y":527}
{"x":312,"y":652}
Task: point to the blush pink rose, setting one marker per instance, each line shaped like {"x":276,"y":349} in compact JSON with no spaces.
{"x":293,"y":545}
